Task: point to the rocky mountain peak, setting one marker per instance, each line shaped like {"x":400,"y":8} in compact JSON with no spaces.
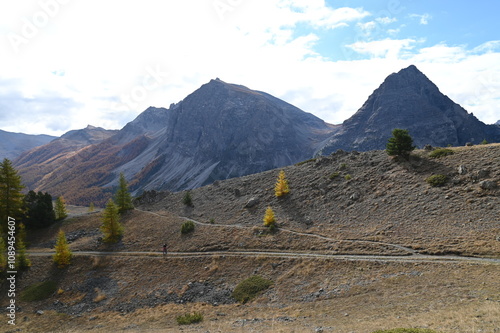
{"x":408,"y":78}
{"x":409,"y":100}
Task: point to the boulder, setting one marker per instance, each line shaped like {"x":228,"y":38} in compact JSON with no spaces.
{"x":488,"y":185}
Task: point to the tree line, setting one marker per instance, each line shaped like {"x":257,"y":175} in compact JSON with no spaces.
{"x":36,"y":210}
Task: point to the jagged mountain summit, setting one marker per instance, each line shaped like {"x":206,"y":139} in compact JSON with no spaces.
{"x":223,"y":131}
{"x":219,"y":131}
{"x":13,"y":144}
{"x":409,"y":100}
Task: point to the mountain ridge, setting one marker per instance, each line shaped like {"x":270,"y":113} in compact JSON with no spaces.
{"x":14,"y":144}
{"x":224,"y":130}
{"x":219,"y":131}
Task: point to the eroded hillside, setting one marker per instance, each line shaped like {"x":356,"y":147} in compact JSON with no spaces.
{"x":368,"y":196}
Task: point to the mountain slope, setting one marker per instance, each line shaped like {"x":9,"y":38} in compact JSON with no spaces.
{"x":13,"y":144}
{"x":223,"y":131}
{"x":409,"y":100}
{"x":219,"y":131}
{"x":42,"y":162}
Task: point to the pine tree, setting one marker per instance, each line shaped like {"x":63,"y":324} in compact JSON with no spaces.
{"x":22,"y":261}
{"x":188,"y":199}
{"x":3,"y":254}
{"x":63,"y":254}
{"x":122,"y":196}
{"x":39,"y":211}
{"x":91,"y":207}
{"x":281,"y":188}
{"x":111,"y":227}
{"x":60,"y":208}
{"x":11,"y":198}
{"x":400,"y":144}
{"x":269,"y":219}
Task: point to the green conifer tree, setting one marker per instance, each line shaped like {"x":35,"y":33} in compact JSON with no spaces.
{"x":63,"y":254}
{"x":122,"y":196}
{"x":3,"y":254}
{"x":11,"y":198}
{"x":22,"y":260}
{"x":400,"y":144}
{"x":111,"y":227}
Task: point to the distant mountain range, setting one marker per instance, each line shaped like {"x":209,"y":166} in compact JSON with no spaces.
{"x":219,"y":131}
{"x":225,"y":130}
{"x":13,"y":144}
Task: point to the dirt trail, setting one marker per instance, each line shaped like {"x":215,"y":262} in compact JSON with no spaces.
{"x":284,"y":254}
{"x":298,"y":233}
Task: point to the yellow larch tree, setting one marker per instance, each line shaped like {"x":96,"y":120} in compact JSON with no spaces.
{"x":269,"y":218}
{"x":281,"y":188}
{"x":63,"y":254}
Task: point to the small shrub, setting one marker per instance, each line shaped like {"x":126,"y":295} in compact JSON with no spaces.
{"x":187,"y":227}
{"x":190,"y":318}
{"x":437,"y":180}
{"x":248,"y":289}
{"x":348,"y":177}
{"x":484,"y":142}
{"x":343,"y":166}
{"x":38,"y":291}
{"x":334,"y":175}
{"x":187,"y":199}
{"x":212,"y":221}
{"x":441,"y":153}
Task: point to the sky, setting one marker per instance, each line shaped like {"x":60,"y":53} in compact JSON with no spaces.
{"x":65,"y":64}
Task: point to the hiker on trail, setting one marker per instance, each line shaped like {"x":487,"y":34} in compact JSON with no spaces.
{"x":164,"y":249}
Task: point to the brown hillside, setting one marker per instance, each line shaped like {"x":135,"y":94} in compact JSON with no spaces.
{"x":384,"y":200}
{"x":348,"y":256}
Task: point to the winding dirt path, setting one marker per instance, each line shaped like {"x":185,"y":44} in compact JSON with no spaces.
{"x":298,"y":233}
{"x":413,"y":256}
{"x":283,"y":254}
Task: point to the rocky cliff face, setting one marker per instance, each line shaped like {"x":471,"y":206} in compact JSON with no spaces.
{"x":223,"y":131}
{"x":409,"y":100}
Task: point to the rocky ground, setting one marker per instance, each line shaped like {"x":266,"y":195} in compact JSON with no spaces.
{"x":366,"y":196}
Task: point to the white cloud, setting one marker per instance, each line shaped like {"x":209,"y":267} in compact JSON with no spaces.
{"x":386,"y":20}
{"x":92,"y":62}
{"x":387,"y":48}
{"x":423,"y":19}
{"x":318,"y":14}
